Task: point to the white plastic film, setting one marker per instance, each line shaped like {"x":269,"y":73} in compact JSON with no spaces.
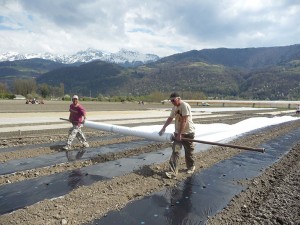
{"x":166,"y":137}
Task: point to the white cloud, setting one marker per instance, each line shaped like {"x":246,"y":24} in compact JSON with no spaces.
{"x":151,"y":26}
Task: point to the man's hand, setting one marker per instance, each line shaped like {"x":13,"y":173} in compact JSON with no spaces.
{"x":162,"y":131}
{"x":178,"y":137}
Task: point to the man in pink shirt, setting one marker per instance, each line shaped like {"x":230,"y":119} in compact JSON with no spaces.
{"x":76,"y":117}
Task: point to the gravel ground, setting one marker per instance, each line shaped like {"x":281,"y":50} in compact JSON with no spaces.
{"x":272,"y":198}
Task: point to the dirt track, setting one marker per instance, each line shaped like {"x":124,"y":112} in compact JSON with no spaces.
{"x":272,"y":198}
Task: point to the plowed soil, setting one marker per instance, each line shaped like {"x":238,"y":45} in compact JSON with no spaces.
{"x":272,"y":198}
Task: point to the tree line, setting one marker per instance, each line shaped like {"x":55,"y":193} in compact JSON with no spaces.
{"x":30,"y":89}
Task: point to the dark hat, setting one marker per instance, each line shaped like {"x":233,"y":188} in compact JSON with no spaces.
{"x":174,"y":95}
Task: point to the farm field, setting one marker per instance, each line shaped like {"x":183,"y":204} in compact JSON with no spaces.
{"x":32,"y":137}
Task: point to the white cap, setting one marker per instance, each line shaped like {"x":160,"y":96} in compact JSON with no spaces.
{"x":75,"y":96}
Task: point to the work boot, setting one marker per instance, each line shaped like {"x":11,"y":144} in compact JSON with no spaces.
{"x":173,"y":170}
{"x":67,"y":147}
{"x":191,"y":170}
{"x":85,"y":144}
{"x":171,"y":175}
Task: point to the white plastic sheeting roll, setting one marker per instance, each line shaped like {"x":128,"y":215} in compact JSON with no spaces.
{"x":166,"y":137}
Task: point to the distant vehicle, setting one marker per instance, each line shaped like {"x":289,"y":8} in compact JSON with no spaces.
{"x":164,"y":101}
{"x":205,"y":104}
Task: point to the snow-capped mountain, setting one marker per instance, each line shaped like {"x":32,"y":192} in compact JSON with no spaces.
{"x":121,"y":57}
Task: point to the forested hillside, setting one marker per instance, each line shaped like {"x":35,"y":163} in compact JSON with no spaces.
{"x":254,"y":73}
{"x":26,"y":69}
{"x":247,"y":58}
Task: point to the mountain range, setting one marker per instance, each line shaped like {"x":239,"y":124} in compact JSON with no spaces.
{"x":271,"y":73}
{"x":122,"y":57}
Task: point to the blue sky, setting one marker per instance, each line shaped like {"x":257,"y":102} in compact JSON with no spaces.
{"x":161,"y":27}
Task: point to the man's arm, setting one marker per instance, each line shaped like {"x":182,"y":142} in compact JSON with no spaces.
{"x":183,"y":123}
{"x":168,"y":121}
{"x":82,"y":112}
{"x":70,"y":115}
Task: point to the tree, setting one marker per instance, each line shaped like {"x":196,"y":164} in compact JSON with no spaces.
{"x":4,"y":93}
{"x":56,"y":92}
{"x":62,"y":89}
{"x":3,"y":88}
{"x":44,"y":90}
{"x":24,"y":86}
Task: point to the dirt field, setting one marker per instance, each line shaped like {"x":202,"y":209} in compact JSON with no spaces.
{"x":272,"y":198}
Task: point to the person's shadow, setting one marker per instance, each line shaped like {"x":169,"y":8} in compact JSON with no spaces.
{"x":71,"y":156}
{"x":75,"y":178}
{"x":179,"y":204}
